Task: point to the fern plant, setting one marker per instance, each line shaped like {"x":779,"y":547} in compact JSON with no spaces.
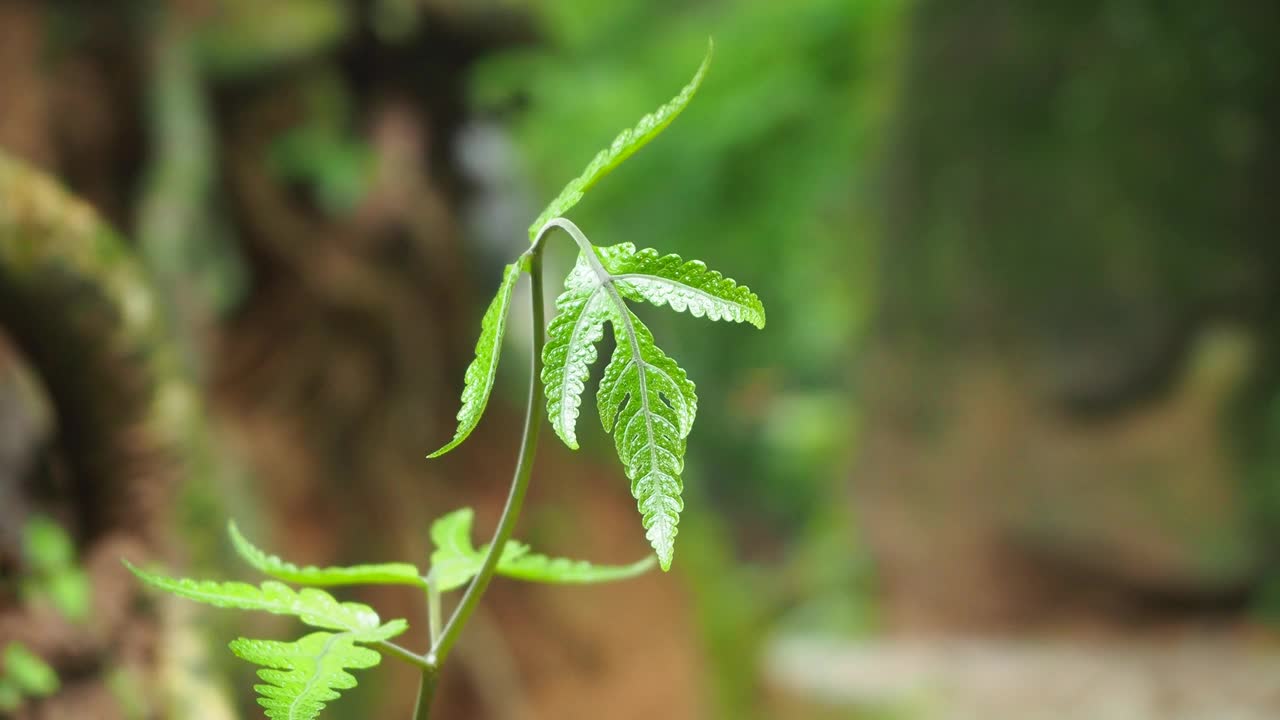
{"x":644,"y":399}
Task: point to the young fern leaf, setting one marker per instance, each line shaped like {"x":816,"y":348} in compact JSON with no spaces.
{"x":313,"y":607}
{"x":683,"y":286}
{"x":301,"y":677}
{"x":274,"y":566}
{"x":455,"y":561}
{"x":571,"y":347}
{"x":478,"y":381}
{"x":648,"y":402}
{"x":624,"y":146}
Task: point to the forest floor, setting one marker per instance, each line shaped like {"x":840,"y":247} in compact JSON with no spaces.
{"x":1207,"y":677}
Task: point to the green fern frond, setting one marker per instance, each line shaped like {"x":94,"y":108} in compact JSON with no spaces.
{"x":644,"y":395}
{"x":623,"y":146}
{"x":684,"y":286}
{"x":570,"y":348}
{"x":478,"y":380}
{"x":379,"y":574}
{"x":648,"y":402}
{"x":310,"y":605}
{"x":455,"y":560}
{"x":301,"y":677}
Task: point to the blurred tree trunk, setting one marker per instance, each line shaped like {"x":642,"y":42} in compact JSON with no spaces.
{"x":83,"y":313}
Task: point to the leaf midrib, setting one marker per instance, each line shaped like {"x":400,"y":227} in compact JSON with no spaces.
{"x":566,"y":427}
{"x":638,"y":359}
{"x":315,"y":677}
{"x":607,"y":282}
{"x":495,"y":346}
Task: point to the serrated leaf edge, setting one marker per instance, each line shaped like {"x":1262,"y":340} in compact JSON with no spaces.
{"x":312,"y":606}
{"x":728,"y":291}
{"x":276,"y":567}
{"x":624,"y":145}
{"x":480,"y":374}
{"x":274,"y":667}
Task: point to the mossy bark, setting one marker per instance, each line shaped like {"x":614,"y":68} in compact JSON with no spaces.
{"x":81,"y":309}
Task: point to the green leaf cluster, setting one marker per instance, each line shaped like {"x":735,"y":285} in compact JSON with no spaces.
{"x":301,"y":677}
{"x":645,"y":399}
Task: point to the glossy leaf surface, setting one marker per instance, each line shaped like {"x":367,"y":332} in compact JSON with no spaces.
{"x":571,"y":348}
{"x":648,"y":402}
{"x":684,"y":286}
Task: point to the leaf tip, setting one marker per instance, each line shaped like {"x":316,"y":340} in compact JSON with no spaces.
{"x":146,"y":577}
{"x":448,"y":446}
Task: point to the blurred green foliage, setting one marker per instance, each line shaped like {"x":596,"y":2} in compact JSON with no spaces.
{"x":321,"y":153}
{"x":53,"y":576}
{"x":1059,"y":159}
{"x":1095,"y":181}
{"x":23,"y":675}
{"x":244,"y":37}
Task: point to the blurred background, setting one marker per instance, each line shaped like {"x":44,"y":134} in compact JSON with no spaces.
{"x":1008,"y":448}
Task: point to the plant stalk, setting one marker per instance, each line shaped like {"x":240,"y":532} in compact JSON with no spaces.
{"x":515,"y":500}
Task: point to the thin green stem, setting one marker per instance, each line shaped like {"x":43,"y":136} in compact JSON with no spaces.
{"x":515,"y":500}
{"x":433,"y":612}
{"x":404,"y":654}
{"x":426,"y":693}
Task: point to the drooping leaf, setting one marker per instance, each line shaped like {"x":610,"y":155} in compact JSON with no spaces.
{"x":379,"y":574}
{"x":684,"y":286}
{"x":648,"y":402}
{"x":455,"y":560}
{"x":644,"y":394}
{"x":310,"y":605}
{"x":478,"y":380}
{"x":570,"y":348}
{"x":623,"y":147}
{"x":301,"y":677}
